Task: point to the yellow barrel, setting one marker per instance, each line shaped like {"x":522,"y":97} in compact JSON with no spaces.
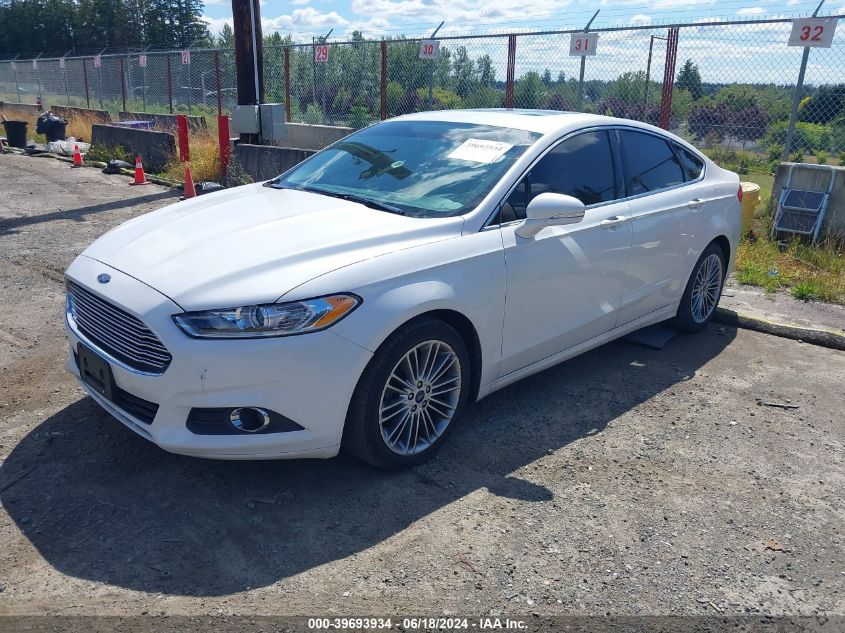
{"x":750,"y":198}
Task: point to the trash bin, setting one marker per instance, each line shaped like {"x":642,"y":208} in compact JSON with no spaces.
{"x":16,"y":133}
{"x":51,"y":126}
{"x":750,"y":198}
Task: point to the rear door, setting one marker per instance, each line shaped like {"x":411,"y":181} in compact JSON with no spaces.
{"x":665,"y":206}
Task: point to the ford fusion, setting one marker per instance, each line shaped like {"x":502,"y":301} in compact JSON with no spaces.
{"x":365,"y":297}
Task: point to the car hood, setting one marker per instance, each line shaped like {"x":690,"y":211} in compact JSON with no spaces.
{"x":253,"y":244}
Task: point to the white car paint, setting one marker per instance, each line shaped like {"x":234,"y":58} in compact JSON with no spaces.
{"x":531,"y":302}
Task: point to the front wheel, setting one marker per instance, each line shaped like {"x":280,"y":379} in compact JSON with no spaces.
{"x":408,"y":398}
{"x":703,"y":291}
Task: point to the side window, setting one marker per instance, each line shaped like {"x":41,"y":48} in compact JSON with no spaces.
{"x":692,"y":164}
{"x":649,"y":163}
{"x":581,"y":166}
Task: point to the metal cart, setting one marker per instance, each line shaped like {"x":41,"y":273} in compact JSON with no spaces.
{"x":801,"y":211}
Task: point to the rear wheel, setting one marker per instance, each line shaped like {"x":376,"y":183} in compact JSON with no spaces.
{"x":703,"y":291}
{"x":408,"y":398}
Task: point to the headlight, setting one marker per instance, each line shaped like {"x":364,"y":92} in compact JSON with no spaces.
{"x":272,"y":319}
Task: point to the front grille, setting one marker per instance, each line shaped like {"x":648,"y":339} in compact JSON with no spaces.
{"x":117,"y":332}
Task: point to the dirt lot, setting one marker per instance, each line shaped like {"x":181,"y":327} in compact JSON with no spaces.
{"x":626,"y":481}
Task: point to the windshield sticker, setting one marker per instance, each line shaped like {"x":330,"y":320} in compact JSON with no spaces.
{"x":480,"y":151}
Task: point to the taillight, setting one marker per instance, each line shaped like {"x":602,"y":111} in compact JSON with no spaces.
{"x":739,"y":193}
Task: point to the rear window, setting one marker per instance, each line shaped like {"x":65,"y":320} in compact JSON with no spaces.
{"x":692,"y":164}
{"x":649,"y":163}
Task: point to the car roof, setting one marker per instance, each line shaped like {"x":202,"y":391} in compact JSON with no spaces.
{"x":541,"y":121}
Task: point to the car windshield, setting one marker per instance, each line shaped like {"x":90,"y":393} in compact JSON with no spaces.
{"x":417,"y":168}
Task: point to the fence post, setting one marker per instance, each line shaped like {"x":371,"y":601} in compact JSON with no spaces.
{"x":17,"y":85}
{"x":668,"y":78}
{"x":287,"y":84}
{"x":796,"y":98}
{"x":38,"y":77}
{"x":217,"y":79}
{"x":67,"y":88}
{"x":182,"y":135}
{"x":85,"y":79}
{"x":223,"y":142}
{"x":100,"y":84}
{"x":511,"y":71}
{"x":123,"y":83}
{"x":383,"y":80}
{"x":169,"y":84}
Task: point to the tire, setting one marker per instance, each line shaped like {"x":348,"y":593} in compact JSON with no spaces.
{"x":694,"y":314}
{"x":384,"y":398}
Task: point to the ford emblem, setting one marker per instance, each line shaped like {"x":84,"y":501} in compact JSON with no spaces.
{"x":104,"y":278}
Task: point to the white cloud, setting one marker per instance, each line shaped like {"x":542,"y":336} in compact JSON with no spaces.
{"x":300,"y":1}
{"x":215,"y":25}
{"x":305,"y":18}
{"x":751,"y":11}
{"x":642,"y":18}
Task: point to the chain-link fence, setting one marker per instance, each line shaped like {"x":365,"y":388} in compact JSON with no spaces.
{"x":726,"y":86}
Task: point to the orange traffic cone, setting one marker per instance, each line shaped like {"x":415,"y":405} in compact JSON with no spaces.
{"x":190,"y":190}
{"x":77,"y":157}
{"x":140,"y":177}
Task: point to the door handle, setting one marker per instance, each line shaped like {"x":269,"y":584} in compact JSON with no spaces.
{"x":694,"y":204}
{"x":614,"y":221}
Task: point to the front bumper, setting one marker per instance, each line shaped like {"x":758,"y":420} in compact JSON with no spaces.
{"x":308,"y":378}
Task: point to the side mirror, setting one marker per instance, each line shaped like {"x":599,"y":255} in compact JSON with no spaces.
{"x":550,"y":209}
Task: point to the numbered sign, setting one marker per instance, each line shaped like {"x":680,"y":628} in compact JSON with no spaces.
{"x":429,"y":49}
{"x":34,"y":64}
{"x":581,"y":44}
{"x":98,"y":61}
{"x":321,"y":53}
{"x":186,"y":58}
{"x":61,"y":62}
{"x":817,"y":32}
{"x":142,"y":61}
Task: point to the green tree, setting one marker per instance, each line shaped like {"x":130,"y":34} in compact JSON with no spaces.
{"x":690,"y":79}
{"x":529,"y":91}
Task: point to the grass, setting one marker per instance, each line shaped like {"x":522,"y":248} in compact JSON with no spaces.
{"x":808,"y":272}
{"x":205,"y":158}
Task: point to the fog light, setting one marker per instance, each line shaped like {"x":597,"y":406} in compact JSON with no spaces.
{"x":249,"y":419}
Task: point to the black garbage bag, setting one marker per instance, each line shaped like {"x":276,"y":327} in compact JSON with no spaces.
{"x":207,"y":186}
{"x":51,"y":126}
{"x":114,"y":166}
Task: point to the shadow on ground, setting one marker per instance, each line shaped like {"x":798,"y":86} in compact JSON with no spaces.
{"x":100,"y":503}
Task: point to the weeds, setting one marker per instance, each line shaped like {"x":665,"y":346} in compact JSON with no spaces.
{"x":809,"y":272}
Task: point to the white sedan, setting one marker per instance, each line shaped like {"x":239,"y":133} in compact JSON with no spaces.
{"x":364,"y":298}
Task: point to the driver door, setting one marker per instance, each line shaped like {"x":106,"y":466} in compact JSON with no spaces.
{"x":565,"y":285}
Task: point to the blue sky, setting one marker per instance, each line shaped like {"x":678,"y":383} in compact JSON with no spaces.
{"x":306,"y":18}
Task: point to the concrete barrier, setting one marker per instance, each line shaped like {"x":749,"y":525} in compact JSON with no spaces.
{"x":817,"y":180}
{"x":22,"y":109}
{"x":71,"y":113}
{"x":154,"y":148}
{"x":163,"y":121}
{"x":263,"y":162}
{"x":313,"y":136}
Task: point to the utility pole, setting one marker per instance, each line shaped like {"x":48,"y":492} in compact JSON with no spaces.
{"x":249,"y":56}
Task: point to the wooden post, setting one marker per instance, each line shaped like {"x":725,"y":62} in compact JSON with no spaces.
{"x":249,"y":56}
{"x":223,"y":142}
{"x":219,"y":87}
{"x":668,"y":78}
{"x":85,"y":78}
{"x":123,"y":83}
{"x":511,"y":71}
{"x":182,"y":135}
{"x":169,"y":84}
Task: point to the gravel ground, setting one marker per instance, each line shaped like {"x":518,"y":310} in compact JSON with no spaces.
{"x":626,"y":481}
